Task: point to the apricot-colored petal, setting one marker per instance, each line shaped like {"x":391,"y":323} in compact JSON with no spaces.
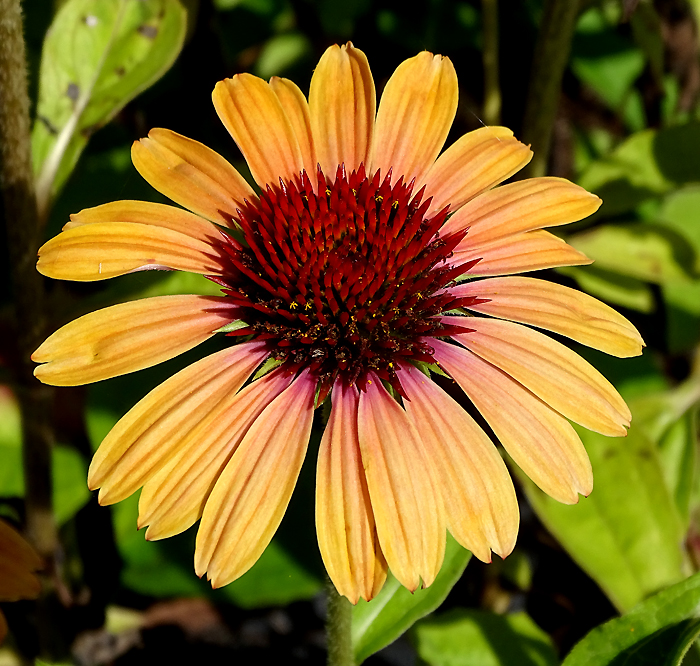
{"x":531,"y":251}
{"x":128,"y":337}
{"x":104,"y":250}
{"x":473,"y":164}
{"x":403,"y":488}
{"x":253,"y":115}
{"x":347,"y":536}
{"x":415,"y":113}
{"x":539,"y":440}
{"x":18,"y":562}
{"x":553,"y":372}
{"x":248,"y":501}
{"x":174,"y":497}
{"x":343,"y":103}
{"x":156,"y":427}
{"x":556,"y":308}
{"x":297,"y":110}
{"x":191,"y":174}
{"x":480,"y":502}
{"x":526,"y":205}
{"x":145,"y":212}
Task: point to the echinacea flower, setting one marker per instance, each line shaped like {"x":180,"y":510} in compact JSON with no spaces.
{"x":352,"y":273}
{"x":18,"y":562}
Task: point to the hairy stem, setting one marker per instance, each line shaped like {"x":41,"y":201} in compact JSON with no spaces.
{"x":492,"y":90}
{"x":23,"y":236}
{"x":550,"y":58}
{"x":338,"y":628}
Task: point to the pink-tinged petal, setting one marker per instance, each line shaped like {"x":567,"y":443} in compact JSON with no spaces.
{"x":248,"y":501}
{"x":174,"y":497}
{"x":415,"y":114}
{"x":145,"y":212}
{"x":403,"y":488}
{"x":342,"y":101}
{"x":531,"y":251}
{"x":473,"y":164}
{"x":154,"y":429}
{"x":191,"y":174}
{"x":515,"y":208}
{"x":347,"y":536}
{"x":253,"y":115}
{"x":104,"y":250}
{"x":553,"y":372}
{"x":480,"y":502}
{"x":556,"y":308}
{"x":297,"y":110}
{"x":128,"y":337}
{"x":539,"y":440}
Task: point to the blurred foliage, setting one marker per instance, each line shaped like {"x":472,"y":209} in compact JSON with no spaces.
{"x":628,"y":129}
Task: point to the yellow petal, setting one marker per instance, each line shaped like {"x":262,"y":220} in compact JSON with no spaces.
{"x":106,"y":249}
{"x":248,"y":501}
{"x":128,"y":337}
{"x":145,"y":212}
{"x":297,"y":110}
{"x":556,"y":308}
{"x":531,"y":251}
{"x":342,"y":103}
{"x":253,"y":115}
{"x":514,"y":208}
{"x":480,"y":502}
{"x":347,"y":536}
{"x":415,"y":113}
{"x":539,"y":440}
{"x":474,"y":163}
{"x":553,"y":372}
{"x":403,"y":488}
{"x":174,"y":497}
{"x":151,"y":431}
{"x":191,"y":174}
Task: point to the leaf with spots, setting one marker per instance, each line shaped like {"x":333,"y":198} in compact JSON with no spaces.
{"x":628,"y":534}
{"x":97,"y":56}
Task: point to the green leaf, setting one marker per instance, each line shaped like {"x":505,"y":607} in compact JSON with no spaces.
{"x":628,"y":534}
{"x":165,"y":568}
{"x":280,"y":53}
{"x":647,"y":164}
{"x":652,"y":253}
{"x":97,"y":56}
{"x":464,"y":637}
{"x":612,"y":287}
{"x":658,"y":632}
{"x":68,"y":467}
{"x":381,"y":621}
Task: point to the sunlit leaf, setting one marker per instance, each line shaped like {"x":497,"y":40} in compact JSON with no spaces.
{"x":381,"y":621}
{"x":464,"y":637}
{"x":641,"y":251}
{"x":627,"y":535}
{"x":97,"y":56}
{"x":658,"y":632}
{"x":612,"y":287}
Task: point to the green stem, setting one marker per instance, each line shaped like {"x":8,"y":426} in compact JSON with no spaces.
{"x":550,"y":58}
{"x":492,"y":90}
{"x":338,"y":628}
{"x":23,"y":236}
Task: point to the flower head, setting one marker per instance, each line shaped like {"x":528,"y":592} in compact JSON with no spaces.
{"x":18,"y":562}
{"x":352,"y":275}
